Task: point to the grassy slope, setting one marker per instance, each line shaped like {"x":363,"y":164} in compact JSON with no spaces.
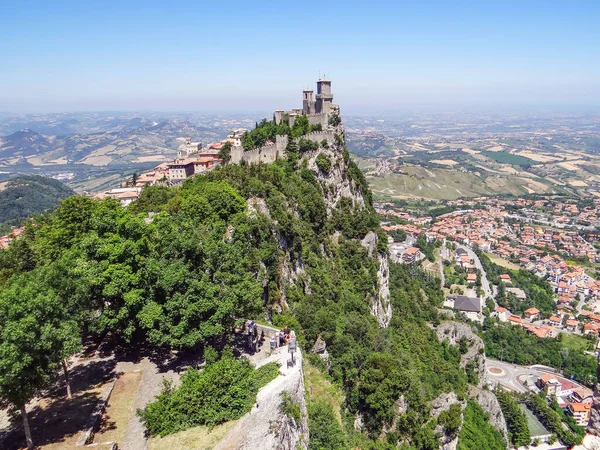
{"x":318,"y":387}
{"x":443,"y":184}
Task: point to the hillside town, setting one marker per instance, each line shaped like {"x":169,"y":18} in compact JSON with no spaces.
{"x":552,"y":239}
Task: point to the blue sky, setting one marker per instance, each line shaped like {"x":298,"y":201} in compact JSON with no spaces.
{"x":253,"y":55}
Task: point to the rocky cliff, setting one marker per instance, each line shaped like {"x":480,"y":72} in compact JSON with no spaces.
{"x":473,"y":356}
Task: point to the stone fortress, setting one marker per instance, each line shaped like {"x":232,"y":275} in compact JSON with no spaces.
{"x":193,"y":159}
{"x":318,"y":111}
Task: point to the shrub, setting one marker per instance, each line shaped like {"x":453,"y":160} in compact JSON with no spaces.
{"x":325,"y":431}
{"x":289,"y":407}
{"x":306,"y":145}
{"x":451,"y":419}
{"x":223,"y":391}
{"x":323,"y":163}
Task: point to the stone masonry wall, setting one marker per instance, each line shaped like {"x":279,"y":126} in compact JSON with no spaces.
{"x":267,"y":154}
{"x":315,"y":119}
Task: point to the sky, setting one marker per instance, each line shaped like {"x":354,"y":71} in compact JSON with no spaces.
{"x":258,"y":55}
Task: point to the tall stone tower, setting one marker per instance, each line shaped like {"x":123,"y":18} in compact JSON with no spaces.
{"x":324,"y":96}
{"x":308,"y":104}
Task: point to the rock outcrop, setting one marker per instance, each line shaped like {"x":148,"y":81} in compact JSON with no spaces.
{"x":461,"y":334}
{"x":336,"y":184}
{"x":320,"y":348}
{"x":489,"y":403}
{"x":594,"y":425}
{"x":381,"y":306}
{"x":448,"y":441}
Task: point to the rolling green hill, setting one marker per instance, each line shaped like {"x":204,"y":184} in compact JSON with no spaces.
{"x":24,"y":196}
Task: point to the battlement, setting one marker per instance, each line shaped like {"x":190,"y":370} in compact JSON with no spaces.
{"x":320,"y":136}
{"x":268,"y":154}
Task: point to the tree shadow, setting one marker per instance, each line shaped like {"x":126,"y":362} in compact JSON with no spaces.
{"x":83,"y":377}
{"x":57,"y":421}
{"x":56,"y":418}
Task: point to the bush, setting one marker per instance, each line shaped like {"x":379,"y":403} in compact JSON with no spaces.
{"x":223,"y":391}
{"x":289,"y":407}
{"x":323,"y":163}
{"x":325,"y":431}
{"x":451,"y":419}
{"x":306,"y":145}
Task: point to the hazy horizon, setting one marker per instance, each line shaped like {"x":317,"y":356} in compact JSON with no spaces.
{"x":381,"y":56}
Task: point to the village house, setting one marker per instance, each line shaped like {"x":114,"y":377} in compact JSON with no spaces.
{"x":581,"y":412}
{"x":411,"y":255}
{"x":502,"y":313}
{"x":470,"y":306}
{"x":532,"y":313}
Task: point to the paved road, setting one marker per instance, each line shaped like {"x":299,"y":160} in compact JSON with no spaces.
{"x":513,"y":375}
{"x":485,"y":284}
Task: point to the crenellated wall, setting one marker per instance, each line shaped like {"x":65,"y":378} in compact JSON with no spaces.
{"x":318,"y":136}
{"x":269,"y":153}
{"x":315,"y":119}
{"x":265,"y":154}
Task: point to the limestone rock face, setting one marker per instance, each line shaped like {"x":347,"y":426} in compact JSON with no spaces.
{"x":258,"y":205}
{"x":448,"y":441}
{"x":369,"y":242}
{"x":489,"y":403}
{"x":381,"y":306}
{"x":456,"y":333}
{"x":594,"y":425}
{"x":336,"y":184}
{"x":320,"y":348}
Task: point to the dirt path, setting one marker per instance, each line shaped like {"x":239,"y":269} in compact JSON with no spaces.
{"x":150,"y":386}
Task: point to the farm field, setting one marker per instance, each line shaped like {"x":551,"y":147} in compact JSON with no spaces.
{"x":502,"y":262}
{"x":508,"y":158}
{"x":443,"y":184}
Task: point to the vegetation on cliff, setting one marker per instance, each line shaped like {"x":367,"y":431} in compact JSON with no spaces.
{"x":477,"y":432}
{"x":224,"y":390}
{"x":241,"y":241}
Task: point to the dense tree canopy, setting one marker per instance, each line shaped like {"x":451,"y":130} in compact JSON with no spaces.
{"x":214,"y":251}
{"x":25,"y":196}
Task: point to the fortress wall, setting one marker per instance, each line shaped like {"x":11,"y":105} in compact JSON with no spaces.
{"x":315,"y":119}
{"x":318,"y":136}
{"x":269,"y":153}
{"x":236,"y":154}
{"x":265,"y":154}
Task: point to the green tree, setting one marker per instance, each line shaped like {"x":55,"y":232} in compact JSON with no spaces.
{"x":477,"y":432}
{"x":325,"y":432}
{"x":516,"y":422}
{"x":225,"y":152}
{"x":36,"y":335}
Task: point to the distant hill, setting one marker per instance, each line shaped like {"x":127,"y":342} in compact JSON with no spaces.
{"x":25,"y":196}
{"x":24,"y":143}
